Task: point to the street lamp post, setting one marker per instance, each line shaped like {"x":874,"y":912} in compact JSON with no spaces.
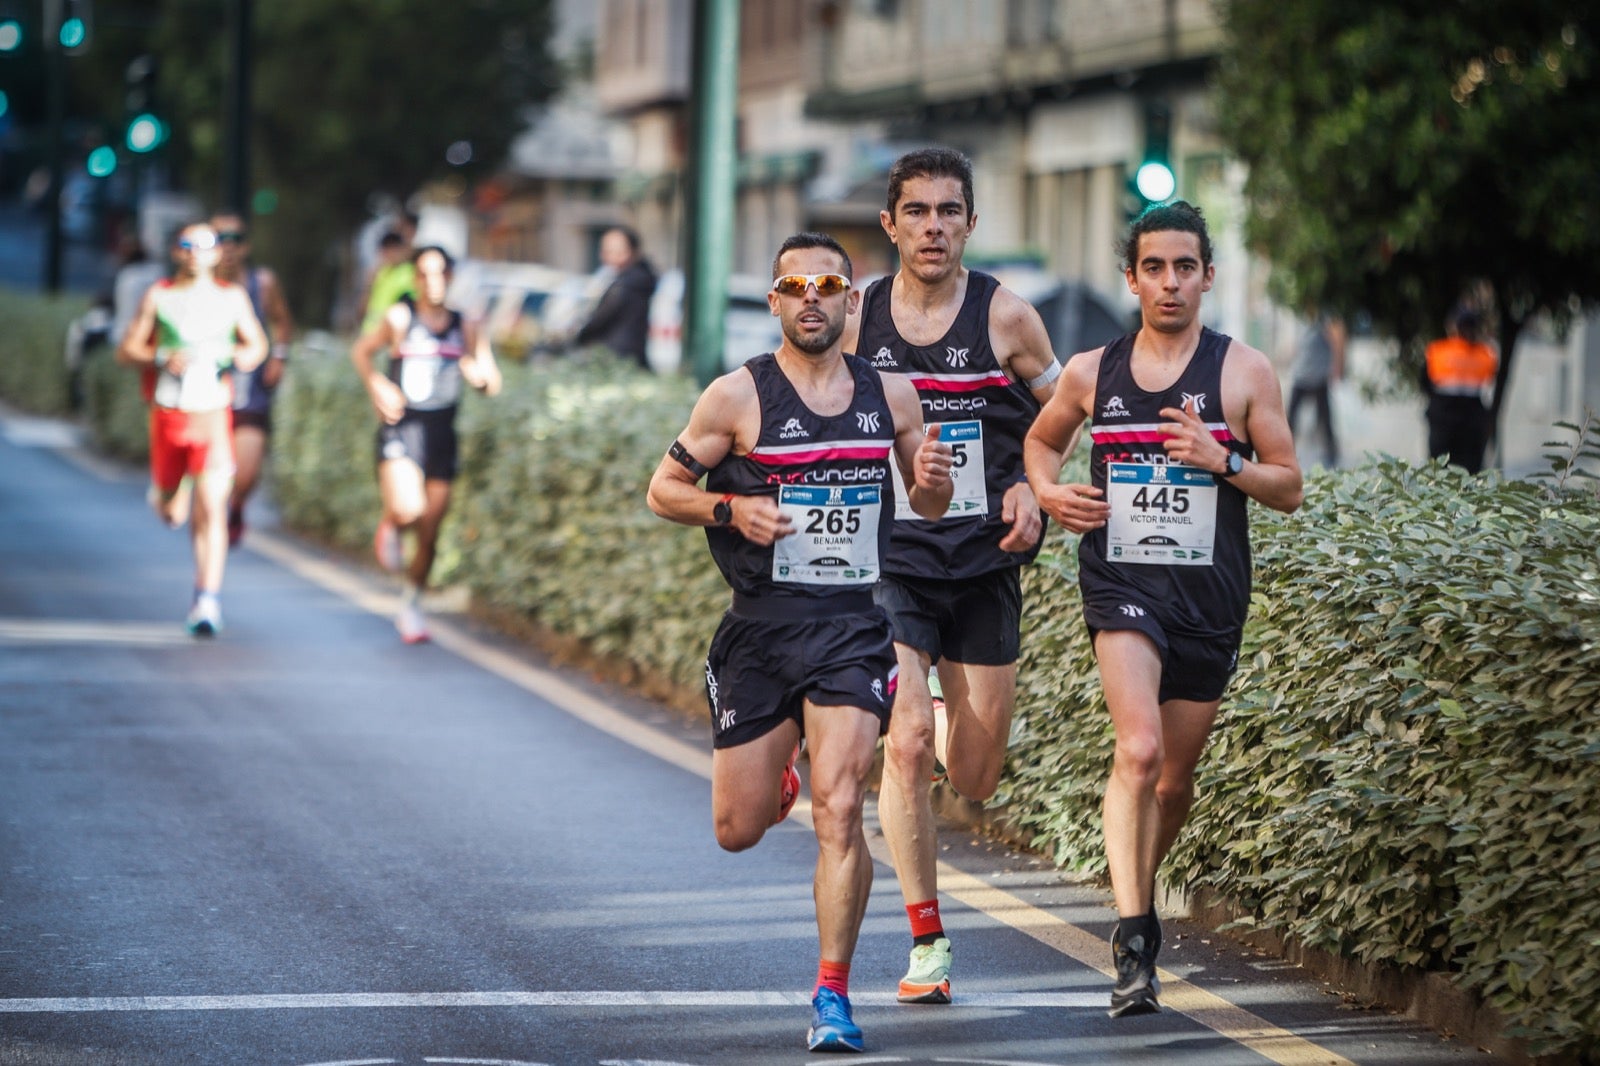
{"x":236,"y":176}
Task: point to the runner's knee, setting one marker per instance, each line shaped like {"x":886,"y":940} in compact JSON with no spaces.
{"x":1138,"y":759}
{"x":909,"y":749}
{"x":975,"y":782}
{"x":739,"y":831}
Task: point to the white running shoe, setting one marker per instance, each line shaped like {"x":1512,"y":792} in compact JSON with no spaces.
{"x":205,"y":617}
{"x":412,"y":626}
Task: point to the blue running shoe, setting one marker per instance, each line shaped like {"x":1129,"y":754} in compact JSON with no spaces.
{"x":832,"y":1028}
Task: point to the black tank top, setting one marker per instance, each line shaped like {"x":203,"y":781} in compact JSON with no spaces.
{"x":427,"y":364}
{"x":830,"y":472}
{"x":1155,"y":546}
{"x":963,"y":388}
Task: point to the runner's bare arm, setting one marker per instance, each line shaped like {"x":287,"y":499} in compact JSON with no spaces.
{"x":250,"y":340}
{"x":727,"y":416}
{"x":386,"y":397}
{"x":924,"y":460}
{"x":1020,"y":343}
{"x":1022,"y":347}
{"x":137,"y":346}
{"x":1079,"y":508}
{"x":479,"y":366}
{"x":280,"y":327}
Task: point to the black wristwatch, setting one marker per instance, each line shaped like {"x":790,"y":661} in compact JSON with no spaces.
{"x":723,"y":511}
{"x":1234,"y":465}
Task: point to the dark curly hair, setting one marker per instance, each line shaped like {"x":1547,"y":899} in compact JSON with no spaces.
{"x":1157,"y":218}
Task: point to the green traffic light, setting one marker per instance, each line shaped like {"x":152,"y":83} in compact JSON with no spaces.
{"x":102,"y":161}
{"x":1155,"y":181}
{"x":145,"y":133}
{"x":73,"y":32}
{"x":10,"y":36}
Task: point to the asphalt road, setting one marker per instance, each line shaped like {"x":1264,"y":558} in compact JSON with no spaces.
{"x":307,"y":843}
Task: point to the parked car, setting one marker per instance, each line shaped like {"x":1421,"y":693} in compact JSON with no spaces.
{"x":511,"y":302}
{"x":749,"y":329}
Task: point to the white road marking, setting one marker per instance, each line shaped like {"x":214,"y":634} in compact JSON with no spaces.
{"x":74,"y":631}
{"x":619,"y":999}
{"x":41,"y":433}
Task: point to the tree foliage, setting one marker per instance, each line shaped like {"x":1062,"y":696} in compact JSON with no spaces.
{"x":356,"y":103}
{"x":1403,"y":154}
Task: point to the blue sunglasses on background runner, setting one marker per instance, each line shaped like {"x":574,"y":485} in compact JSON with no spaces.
{"x":190,"y":244}
{"x":796,"y":284}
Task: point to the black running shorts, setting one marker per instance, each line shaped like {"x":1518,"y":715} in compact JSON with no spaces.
{"x":1193,"y":667}
{"x":759,"y":671}
{"x":977,"y":621}
{"x":427,"y":438}
{"x":261,"y":420}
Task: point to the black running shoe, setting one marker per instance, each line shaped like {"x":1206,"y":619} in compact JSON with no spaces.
{"x":1137,"y":986}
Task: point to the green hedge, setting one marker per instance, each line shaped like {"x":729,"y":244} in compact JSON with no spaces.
{"x":33,"y":370}
{"x":1407,"y":769}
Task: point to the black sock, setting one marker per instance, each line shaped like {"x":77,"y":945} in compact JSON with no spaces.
{"x":1140,"y":925}
{"x":926,"y":938}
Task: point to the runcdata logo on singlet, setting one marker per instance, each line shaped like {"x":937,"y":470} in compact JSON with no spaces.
{"x":958,"y":356}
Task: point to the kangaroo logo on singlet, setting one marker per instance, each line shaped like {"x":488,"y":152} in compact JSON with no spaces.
{"x":958,"y":356}
{"x":792,"y":429}
{"x":883,"y":358}
{"x":1199,"y":401}
{"x":867,"y":421}
{"x":1132,"y":610}
{"x":1113,"y":408}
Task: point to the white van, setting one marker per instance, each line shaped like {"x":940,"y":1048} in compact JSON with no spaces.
{"x":750,"y":328}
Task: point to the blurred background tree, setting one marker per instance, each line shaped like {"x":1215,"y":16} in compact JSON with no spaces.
{"x":357,"y":103}
{"x":1403,"y":154}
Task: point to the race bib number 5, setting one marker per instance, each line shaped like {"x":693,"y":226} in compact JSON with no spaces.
{"x":1161,"y":513}
{"x":835,"y":538}
{"x":969,"y":496}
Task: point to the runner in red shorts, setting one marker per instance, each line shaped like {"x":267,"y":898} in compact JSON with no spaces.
{"x":188,"y":335}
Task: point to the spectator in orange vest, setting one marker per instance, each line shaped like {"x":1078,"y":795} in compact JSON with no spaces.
{"x":1459,"y":372}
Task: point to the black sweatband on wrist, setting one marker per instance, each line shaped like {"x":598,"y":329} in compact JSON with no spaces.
{"x":687,"y":461}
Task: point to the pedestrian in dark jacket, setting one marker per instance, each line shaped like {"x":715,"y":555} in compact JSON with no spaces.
{"x":621,"y":320}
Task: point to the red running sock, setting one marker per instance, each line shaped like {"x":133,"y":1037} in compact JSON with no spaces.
{"x":925,"y":921}
{"x":834,"y":975}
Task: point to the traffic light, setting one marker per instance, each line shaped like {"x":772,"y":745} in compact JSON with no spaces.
{"x":102,"y":162}
{"x":145,"y":133}
{"x":13,"y":27}
{"x":68,"y":25}
{"x":1154,"y":181}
